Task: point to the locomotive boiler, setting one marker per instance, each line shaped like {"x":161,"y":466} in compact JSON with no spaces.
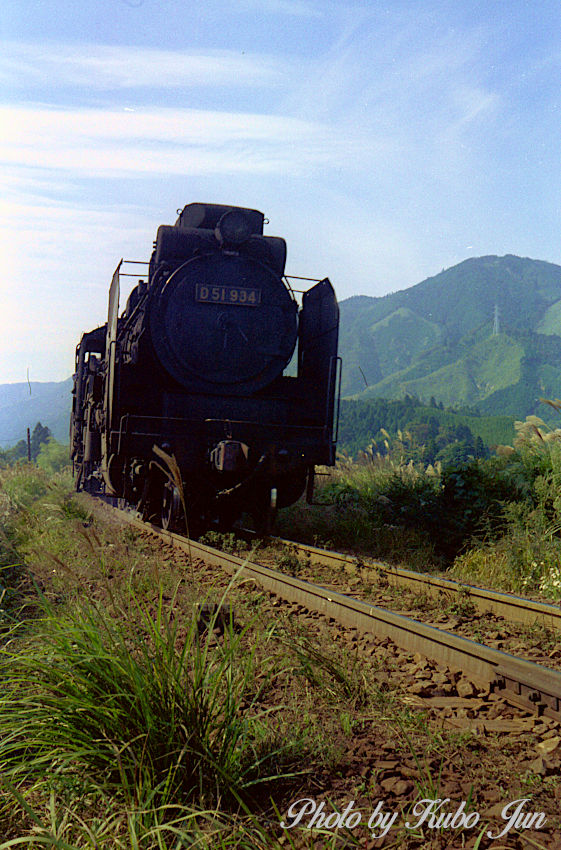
{"x":215,"y":392}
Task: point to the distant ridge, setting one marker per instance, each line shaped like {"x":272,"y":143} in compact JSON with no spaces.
{"x":48,"y":403}
{"x":436,"y":338}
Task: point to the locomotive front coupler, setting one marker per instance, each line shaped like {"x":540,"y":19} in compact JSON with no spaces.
{"x":229,"y":456}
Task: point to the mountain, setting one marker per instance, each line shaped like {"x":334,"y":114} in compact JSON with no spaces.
{"x":440,"y":338}
{"x":23,"y":405}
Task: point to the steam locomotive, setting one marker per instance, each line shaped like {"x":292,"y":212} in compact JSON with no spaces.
{"x":191,"y":405}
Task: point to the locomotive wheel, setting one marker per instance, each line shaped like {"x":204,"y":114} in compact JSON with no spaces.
{"x":170,"y":515}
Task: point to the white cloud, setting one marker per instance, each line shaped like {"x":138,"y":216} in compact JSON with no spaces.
{"x":103,"y":67}
{"x":166,"y":141}
{"x":57,"y":260}
{"x":398,"y":85}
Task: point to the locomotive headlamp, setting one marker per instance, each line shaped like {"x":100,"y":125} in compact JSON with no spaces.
{"x":233,"y":228}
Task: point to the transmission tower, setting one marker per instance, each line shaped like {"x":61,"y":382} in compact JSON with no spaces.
{"x":496,"y":321}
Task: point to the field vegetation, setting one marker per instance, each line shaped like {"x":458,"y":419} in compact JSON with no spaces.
{"x":125,"y":723}
{"x":494,"y":521}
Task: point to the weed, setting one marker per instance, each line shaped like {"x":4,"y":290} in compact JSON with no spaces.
{"x":347,"y":722}
{"x":21,"y":488}
{"x":131,"y":535}
{"x":228,"y":543}
{"x":289,"y":562}
{"x":336,"y":676}
{"x":71,"y":509}
{"x":463,"y":604}
{"x":540,"y":634}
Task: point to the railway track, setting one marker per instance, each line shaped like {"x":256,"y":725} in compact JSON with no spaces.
{"x":513,"y":608}
{"x":522,"y":683}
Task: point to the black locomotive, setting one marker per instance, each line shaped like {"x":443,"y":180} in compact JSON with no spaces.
{"x":196,"y":369}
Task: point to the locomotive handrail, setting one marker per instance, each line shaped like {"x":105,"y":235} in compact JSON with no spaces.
{"x":288,"y":277}
{"x":334,"y":377}
{"x":298,"y":277}
{"x":133,"y":263}
{"x":339,"y":372}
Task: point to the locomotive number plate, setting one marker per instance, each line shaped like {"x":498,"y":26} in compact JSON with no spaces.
{"x":241,"y":295}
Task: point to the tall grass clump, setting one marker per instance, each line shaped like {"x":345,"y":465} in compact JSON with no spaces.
{"x":23,"y":484}
{"x":22,"y":487}
{"x":93,"y":704}
{"x":127,"y":720}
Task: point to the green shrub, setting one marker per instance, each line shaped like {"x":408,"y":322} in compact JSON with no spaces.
{"x":409,"y":500}
{"x":442,"y":510}
{"x":52,"y":456}
{"x":471,"y":503}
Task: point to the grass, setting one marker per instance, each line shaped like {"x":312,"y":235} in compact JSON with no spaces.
{"x":118,"y":720}
{"x":526,"y":559}
{"x":335,"y":676}
{"x":165,"y":732}
{"x":132,"y":706}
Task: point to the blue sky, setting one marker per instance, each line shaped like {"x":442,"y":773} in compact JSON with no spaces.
{"x":384,"y":140}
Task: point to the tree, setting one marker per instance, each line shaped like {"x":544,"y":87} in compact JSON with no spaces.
{"x":480,"y":449}
{"x":455,"y":454}
{"x":41,"y":434}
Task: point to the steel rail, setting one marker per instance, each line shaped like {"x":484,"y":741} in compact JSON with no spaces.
{"x":513,"y":608}
{"x":523,"y":683}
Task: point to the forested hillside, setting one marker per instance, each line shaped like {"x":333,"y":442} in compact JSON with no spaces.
{"x":484,"y":332}
{"x":427,"y":432}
